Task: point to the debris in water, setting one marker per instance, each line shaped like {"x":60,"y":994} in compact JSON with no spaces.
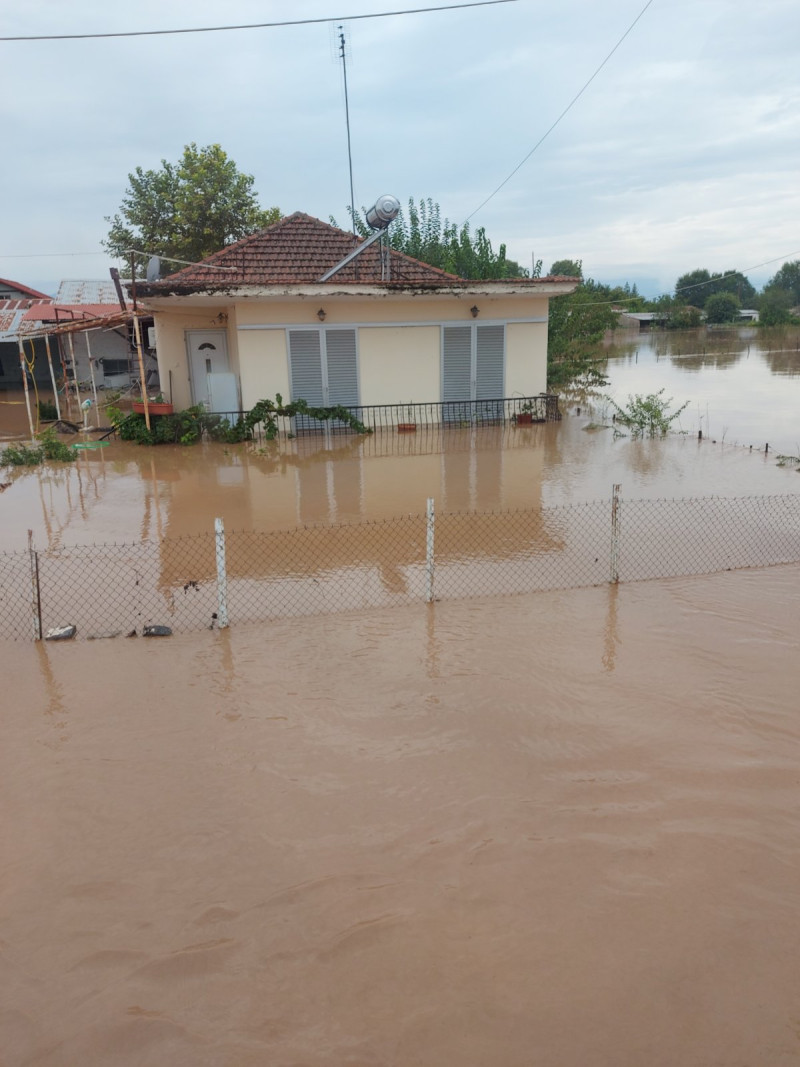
{"x":61,"y":633}
{"x":156,"y":631}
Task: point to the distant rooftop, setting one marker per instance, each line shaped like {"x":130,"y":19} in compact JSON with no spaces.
{"x":83,"y":291}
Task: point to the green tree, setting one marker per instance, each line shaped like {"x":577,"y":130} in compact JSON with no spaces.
{"x":698,"y":285}
{"x":421,"y":232}
{"x":570,"y":268}
{"x":722,"y":307}
{"x":189,"y":209}
{"x":576,"y":325}
{"x":786,"y":281}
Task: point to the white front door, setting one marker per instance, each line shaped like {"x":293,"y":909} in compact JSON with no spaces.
{"x":208,"y":354}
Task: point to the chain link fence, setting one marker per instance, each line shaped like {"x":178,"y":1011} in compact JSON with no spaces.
{"x":225,"y":578}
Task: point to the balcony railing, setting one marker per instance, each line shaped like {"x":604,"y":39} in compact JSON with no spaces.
{"x":405,"y":418}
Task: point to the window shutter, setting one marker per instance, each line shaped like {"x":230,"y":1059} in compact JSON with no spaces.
{"x":490,"y":364}
{"x":456,"y":362}
{"x":340,"y":348}
{"x":306,"y":364}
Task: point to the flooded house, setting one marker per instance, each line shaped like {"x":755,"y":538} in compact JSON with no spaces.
{"x":82,"y":331}
{"x":309,"y":311}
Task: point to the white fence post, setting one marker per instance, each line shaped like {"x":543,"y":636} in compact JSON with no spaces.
{"x":616,"y":514}
{"x":222,"y":575}
{"x":429,"y":556}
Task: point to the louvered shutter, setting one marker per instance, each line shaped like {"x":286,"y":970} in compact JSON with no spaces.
{"x":340,"y":349}
{"x":490,"y":366}
{"x":456,"y":371}
{"x":305,"y":359}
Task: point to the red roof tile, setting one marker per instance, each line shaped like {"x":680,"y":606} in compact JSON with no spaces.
{"x":298,"y":250}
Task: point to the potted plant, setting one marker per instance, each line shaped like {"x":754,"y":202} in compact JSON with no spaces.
{"x":410,"y":425}
{"x":524,"y":417}
{"x":157,"y":406}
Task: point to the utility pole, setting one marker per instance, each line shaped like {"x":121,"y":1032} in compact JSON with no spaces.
{"x":343,"y":55}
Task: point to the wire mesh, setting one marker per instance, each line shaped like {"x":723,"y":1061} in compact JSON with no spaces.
{"x":109,"y":590}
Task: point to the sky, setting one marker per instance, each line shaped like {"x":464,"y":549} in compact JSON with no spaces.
{"x":683,"y":152}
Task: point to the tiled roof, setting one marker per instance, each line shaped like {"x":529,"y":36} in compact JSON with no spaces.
{"x":298,"y":250}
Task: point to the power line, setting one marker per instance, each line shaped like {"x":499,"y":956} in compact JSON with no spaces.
{"x":569,"y":106}
{"x":255,"y":25}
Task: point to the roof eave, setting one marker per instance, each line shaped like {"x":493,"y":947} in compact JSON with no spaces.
{"x":162,"y":297}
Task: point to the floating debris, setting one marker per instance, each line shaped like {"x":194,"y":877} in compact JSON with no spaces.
{"x":61,"y":633}
{"x":156,"y":631}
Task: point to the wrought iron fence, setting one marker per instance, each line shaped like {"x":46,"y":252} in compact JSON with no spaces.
{"x":409,"y":418}
{"x":221,"y":578}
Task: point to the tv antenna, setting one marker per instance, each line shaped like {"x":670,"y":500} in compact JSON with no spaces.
{"x":343,"y":56}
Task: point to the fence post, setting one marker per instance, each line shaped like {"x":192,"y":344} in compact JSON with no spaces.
{"x":36,"y":598}
{"x":222,"y":575}
{"x":429,"y":556}
{"x":616,"y":508}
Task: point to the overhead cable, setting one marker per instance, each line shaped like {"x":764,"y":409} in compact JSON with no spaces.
{"x":569,"y":107}
{"x":254,"y":25}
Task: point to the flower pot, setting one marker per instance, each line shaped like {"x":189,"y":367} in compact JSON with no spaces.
{"x":406,"y":427}
{"x":524,"y":418}
{"x":153,"y":407}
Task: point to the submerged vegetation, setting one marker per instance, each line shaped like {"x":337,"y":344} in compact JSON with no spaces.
{"x":647,"y":416}
{"x":195,"y":423}
{"x":49,"y":448}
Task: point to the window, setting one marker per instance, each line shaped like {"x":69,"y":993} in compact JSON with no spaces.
{"x":115,"y":366}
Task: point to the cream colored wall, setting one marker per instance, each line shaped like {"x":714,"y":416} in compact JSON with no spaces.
{"x":399,"y":308}
{"x":526,"y":358}
{"x":399,"y":364}
{"x":171,"y":352}
{"x":264,"y":365}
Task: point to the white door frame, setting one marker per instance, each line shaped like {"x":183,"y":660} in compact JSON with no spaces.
{"x":200,"y":395}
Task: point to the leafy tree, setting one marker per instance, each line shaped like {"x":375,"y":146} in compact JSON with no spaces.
{"x":722,"y":307}
{"x":772,"y":314}
{"x":784,"y":287}
{"x":576,"y":325}
{"x":698,"y":285}
{"x":422,"y":233}
{"x":188,"y":209}
{"x":571,"y":268}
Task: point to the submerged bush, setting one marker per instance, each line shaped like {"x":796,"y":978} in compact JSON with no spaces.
{"x":647,"y":416}
{"x":49,"y":448}
{"x":191,"y":425}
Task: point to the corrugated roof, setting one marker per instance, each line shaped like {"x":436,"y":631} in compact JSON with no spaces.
{"x":61,"y":312}
{"x":87,"y":291}
{"x":12,"y":313}
{"x":295,"y":251}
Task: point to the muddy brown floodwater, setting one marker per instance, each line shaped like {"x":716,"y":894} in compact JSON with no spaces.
{"x":558,"y":829}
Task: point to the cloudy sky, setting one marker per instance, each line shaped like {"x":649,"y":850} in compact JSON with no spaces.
{"x":683,"y":152}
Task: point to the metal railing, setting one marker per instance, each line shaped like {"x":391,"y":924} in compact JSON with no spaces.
{"x":219,"y":578}
{"x":408,"y":418}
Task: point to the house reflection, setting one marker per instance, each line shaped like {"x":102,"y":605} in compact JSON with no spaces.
{"x":349,"y":512}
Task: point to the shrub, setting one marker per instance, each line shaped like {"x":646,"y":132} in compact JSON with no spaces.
{"x":647,"y":416}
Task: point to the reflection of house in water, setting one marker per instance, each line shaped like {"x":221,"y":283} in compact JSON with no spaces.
{"x":381,"y":484}
{"x":349,"y":479}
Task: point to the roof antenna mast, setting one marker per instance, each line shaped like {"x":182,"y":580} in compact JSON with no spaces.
{"x":343,"y":55}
